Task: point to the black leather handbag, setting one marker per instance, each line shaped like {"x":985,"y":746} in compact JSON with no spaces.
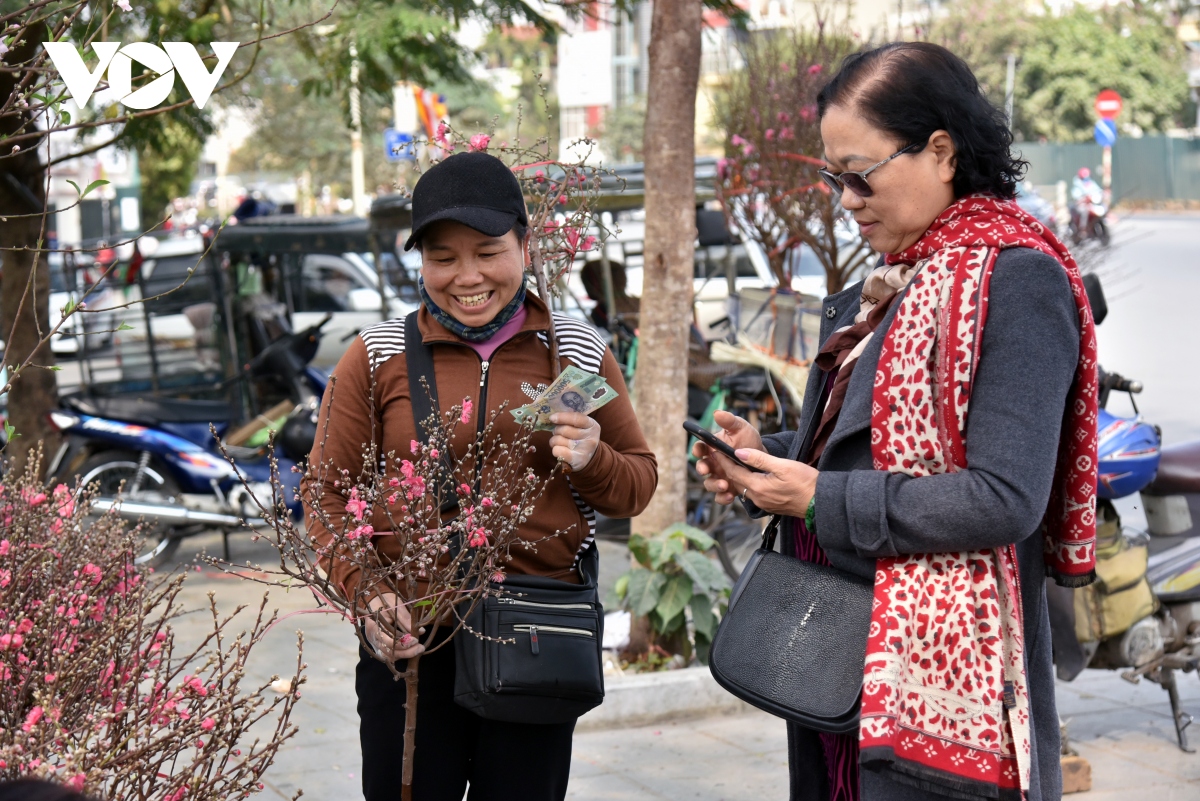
{"x":794,"y":639}
{"x":539,"y":659}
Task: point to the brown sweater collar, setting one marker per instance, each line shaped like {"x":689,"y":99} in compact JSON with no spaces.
{"x":537,"y":318}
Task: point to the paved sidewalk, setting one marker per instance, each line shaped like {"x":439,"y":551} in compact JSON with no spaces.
{"x":1124,"y":730}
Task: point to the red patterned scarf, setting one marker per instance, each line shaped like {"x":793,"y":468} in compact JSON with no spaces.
{"x":945,"y":696}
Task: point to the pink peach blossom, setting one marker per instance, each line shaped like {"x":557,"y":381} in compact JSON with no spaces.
{"x":361,"y":531}
{"x":356,"y":506}
{"x":32,"y":719}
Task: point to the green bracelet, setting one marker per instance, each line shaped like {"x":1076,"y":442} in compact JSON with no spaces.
{"x":810,"y":517}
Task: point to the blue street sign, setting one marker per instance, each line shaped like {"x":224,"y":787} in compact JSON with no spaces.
{"x":398,"y":146}
{"x":1106,"y":133}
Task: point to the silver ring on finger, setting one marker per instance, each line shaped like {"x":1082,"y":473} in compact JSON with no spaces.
{"x":743,"y":495}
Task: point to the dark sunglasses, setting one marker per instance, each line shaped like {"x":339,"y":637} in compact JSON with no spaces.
{"x":856,"y":182}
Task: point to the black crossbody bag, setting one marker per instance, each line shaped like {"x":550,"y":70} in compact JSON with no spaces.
{"x":540,"y":657}
{"x":794,"y":639}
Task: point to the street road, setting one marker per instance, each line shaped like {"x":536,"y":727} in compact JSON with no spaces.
{"x":1152,"y":333}
{"x":1152,"y":282}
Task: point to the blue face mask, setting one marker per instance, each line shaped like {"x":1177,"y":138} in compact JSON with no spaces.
{"x":480,"y":333}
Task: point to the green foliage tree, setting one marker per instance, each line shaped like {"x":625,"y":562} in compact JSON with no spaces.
{"x":1072,"y":57}
{"x":298,"y":99}
{"x":297,"y":132}
{"x":167,"y":164}
{"x":1063,"y":61}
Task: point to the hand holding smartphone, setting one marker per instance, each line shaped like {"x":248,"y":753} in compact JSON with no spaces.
{"x":710,"y":439}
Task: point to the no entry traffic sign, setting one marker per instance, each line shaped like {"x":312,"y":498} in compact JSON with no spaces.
{"x":1108,"y":104}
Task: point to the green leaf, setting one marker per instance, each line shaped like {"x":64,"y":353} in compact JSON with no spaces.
{"x":703,"y":619}
{"x":9,"y":431}
{"x":665,"y":552}
{"x":639,"y":547}
{"x":70,"y":307}
{"x":93,"y":185}
{"x":72,"y":183}
{"x":54,"y":368}
{"x":670,"y":626}
{"x":675,"y":596}
{"x":425,"y":602}
{"x":125,"y":327}
{"x":706,"y":573}
{"x":695,"y":536}
{"x":622,"y":585}
{"x":65,"y":117}
{"x":645,"y":587}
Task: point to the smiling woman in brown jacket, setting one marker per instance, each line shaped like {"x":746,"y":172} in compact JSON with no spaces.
{"x":489,"y":343}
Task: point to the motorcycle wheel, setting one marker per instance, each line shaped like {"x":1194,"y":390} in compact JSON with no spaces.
{"x":156,"y":543}
{"x":1100,"y":231}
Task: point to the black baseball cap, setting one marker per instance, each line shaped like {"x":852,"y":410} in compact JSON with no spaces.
{"x":475,"y":189}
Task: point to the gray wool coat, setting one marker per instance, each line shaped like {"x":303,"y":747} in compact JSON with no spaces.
{"x":1027,"y":361}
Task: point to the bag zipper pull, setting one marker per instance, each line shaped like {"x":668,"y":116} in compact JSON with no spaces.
{"x":533,"y":640}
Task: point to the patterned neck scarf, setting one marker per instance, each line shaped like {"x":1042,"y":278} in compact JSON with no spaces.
{"x":945,"y":695}
{"x":480,"y":333}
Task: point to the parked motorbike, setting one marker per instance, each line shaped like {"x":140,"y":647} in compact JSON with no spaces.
{"x":157,"y":459}
{"x":1142,"y":614}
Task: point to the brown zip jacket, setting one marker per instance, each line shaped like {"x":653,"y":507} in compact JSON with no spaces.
{"x":618,"y":482}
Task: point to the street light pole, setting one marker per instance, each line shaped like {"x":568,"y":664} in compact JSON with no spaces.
{"x":1010,"y":79}
{"x":357,"y":179}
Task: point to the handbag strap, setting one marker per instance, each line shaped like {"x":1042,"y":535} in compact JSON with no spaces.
{"x":768,"y":537}
{"x":423,"y":397}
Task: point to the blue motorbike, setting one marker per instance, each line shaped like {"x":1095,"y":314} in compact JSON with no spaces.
{"x":1142,"y":615}
{"x":157,"y":460}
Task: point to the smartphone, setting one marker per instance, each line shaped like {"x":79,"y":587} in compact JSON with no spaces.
{"x":710,"y":439}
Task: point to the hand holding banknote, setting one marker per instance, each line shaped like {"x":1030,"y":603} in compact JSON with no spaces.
{"x":563,"y":408}
{"x":576,"y":437}
{"x":574,"y":390}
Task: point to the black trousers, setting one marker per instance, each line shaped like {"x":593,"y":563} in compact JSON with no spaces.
{"x":455,"y":747}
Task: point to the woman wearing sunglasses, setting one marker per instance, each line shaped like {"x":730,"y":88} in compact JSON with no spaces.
{"x":947,"y":444}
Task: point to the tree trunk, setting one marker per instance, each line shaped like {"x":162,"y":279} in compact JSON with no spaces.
{"x":666,"y":308}
{"x":25,"y":304}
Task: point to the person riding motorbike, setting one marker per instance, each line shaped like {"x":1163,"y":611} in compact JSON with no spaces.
{"x":1084,"y":193}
